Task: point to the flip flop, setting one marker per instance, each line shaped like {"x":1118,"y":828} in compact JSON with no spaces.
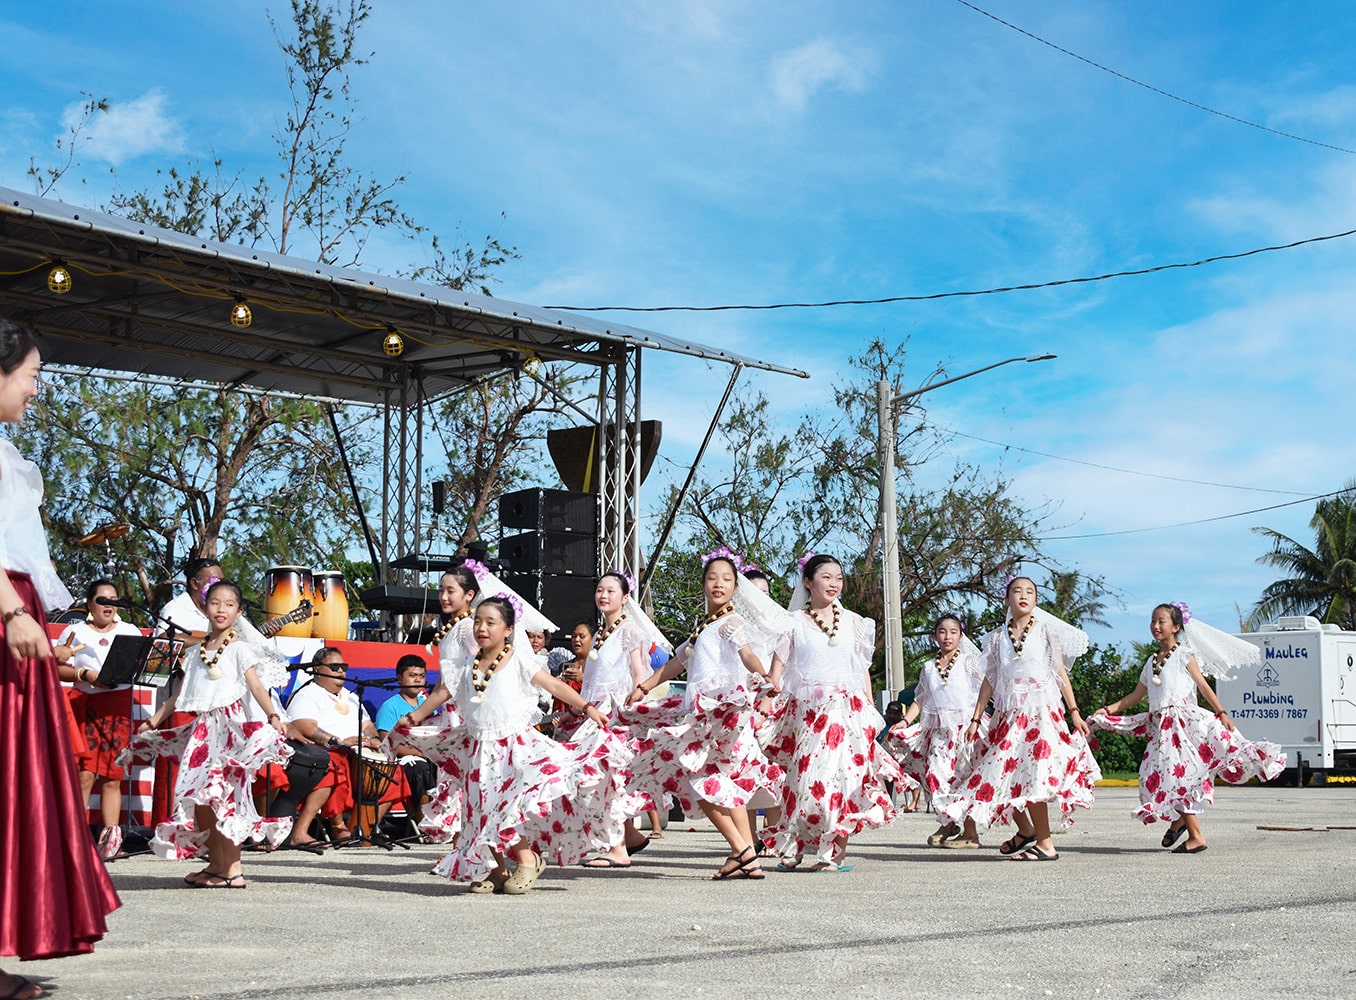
{"x":23,"y":987}
{"x":638,"y":848}
{"x":1015,"y":844}
{"x":603,"y":861}
{"x":789,"y":863}
{"x":1183,"y":849}
{"x":225,"y":882}
{"x":829,"y":867}
{"x":1034,"y":853}
{"x":1173,"y":835}
{"x":195,"y":879}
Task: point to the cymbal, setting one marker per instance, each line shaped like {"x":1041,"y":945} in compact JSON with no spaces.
{"x":105,"y":534}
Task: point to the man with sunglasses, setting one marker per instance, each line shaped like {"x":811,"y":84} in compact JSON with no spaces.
{"x":327,"y":713}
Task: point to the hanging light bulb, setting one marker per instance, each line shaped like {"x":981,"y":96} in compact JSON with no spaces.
{"x":240,"y":314}
{"x":393,"y":343}
{"x":532,"y":364}
{"x":59,"y":278}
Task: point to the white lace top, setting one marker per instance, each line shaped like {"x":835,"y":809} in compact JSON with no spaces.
{"x":607,"y":677}
{"x":813,"y":665}
{"x":200,"y":693}
{"x":948,"y":703}
{"x":1177,"y":689}
{"x":1021,"y":682}
{"x":23,"y":541}
{"x":713,"y":663}
{"x":509,"y":704}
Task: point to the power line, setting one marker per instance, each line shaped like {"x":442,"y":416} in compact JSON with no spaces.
{"x":1187,"y":524}
{"x":1113,"y":468}
{"x":1151,"y":87}
{"x":952,"y":295}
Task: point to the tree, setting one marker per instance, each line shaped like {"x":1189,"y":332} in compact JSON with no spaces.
{"x":191,"y":468}
{"x":1320,"y":581}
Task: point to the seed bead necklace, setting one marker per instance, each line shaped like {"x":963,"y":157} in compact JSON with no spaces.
{"x":1160,"y":658}
{"x":1019,"y":641}
{"x":944,"y":668}
{"x":480,"y":677}
{"x":214,"y":671}
{"x":706,"y":620}
{"x":447,"y":627}
{"x":602,"y":634}
{"x":830,"y":630}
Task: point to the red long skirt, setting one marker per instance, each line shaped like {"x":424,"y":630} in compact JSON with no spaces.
{"x":54,"y":891}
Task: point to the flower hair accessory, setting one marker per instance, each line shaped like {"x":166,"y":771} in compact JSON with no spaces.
{"x":1182,"y":607}
{"x":630,"y":580}
{"x":803,"y":560}
{"x":477,"y":568}
{"x":515,"y":602}
{"x":724,"y":552}
{"x":747,"y":568}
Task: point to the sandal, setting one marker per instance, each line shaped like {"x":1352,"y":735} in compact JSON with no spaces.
{"x":1173,"y":834}
{"x":637,"y":849}
{"x":942,"y":835}
{"x":828,"y":866}
{"x":1034,"y":853}
{"x":789,"y":863}
{"x":196,"y":879}
{"x":524,"y":876}
{"x":961,"y":844}
{"x":750,"y":869}
{"x":603,"y":861}
{"x":25,"y":989}
{"x":236,"y":881}
{"x":1015,"y":844}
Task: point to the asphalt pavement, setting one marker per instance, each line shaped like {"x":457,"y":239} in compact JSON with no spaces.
{"x":1261,"y":913}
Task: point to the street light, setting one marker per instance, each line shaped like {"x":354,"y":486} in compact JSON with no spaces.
{"x":886,"y":403}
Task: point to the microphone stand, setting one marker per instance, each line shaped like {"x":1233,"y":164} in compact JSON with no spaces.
{"x":360,"y":837}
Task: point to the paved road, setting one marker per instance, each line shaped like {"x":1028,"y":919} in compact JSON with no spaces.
{"x":1262,"y":913}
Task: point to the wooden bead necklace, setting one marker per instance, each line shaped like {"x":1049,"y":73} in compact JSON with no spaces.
{"x":480,"y":677}
{"x":944,"y":669}
{"x":1019,"y":641}
{"x":1160,"y":658}
{"x":602,"y":635}
{"x":830,"y":630}
{"x":447,"y":627}
{"x":706,"y":620}
{"x":213,"y":671}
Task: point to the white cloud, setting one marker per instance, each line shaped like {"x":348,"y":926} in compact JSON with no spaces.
{"x":799,"y":74}
{"x":127,"y":130}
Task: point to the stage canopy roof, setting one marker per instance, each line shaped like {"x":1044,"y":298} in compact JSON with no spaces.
{"x":158,"y":302}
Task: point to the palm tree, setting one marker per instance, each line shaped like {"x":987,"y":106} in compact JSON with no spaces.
{"x":1076,"y":598}
{"x":1319,"y":582}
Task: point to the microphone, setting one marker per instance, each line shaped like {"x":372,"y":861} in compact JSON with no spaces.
{"x":304,"y":668}
{"x":109,"y":602}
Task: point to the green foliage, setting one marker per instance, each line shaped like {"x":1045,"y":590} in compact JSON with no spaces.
{"x":1320,"y":581}
{"x":1099,"y":676}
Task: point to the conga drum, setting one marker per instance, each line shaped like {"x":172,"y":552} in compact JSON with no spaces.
{"x":331,"y":606}
{"x":285,"y":587}
{"x":377,"y":774}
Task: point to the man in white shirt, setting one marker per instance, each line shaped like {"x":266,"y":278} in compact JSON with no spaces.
{"x":188,"y":610}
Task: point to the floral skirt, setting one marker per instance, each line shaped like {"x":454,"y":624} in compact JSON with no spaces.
{"x":835,"y":772}
{"x":932,"y":757}
{"x":1028,"y":756}
{"x":706,"y":753}
{"x":1188,"y":749}
{"x":564,"y":799}
{"x":219,"y":753}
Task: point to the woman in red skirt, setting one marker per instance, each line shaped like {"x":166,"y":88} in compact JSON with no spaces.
{"x":54,"y":892}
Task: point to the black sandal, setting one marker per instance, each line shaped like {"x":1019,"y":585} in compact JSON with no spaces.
{"x":1015,"y":844}
{"x":1173,"y":835}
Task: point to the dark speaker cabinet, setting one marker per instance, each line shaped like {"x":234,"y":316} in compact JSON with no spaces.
{"x":549,"y":510}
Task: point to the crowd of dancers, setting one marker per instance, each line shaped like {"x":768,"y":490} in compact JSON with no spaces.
{"x":776,"y":717}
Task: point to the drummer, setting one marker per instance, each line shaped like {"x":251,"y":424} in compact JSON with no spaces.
{"x":327,"y":713}
{"x":188,"y":610}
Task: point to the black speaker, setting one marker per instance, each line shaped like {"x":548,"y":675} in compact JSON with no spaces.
{"x":551,"y":552}
{"x":549,"y":510}
{"x":565,"y":600}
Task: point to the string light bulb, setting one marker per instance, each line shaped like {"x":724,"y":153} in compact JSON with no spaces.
{"x":393,"y":343}
{"x":532,"y":363}
{"x":241,"y":315}
{"x":59,"y":279}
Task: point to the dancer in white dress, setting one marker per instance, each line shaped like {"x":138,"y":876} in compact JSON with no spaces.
{"x":825,"y":728}
{"x":701,"y":744}
{"x":1188,"y":747}
{"x":524,"y":796}
{"x":930,"y":751}
{"x":1028,"y":759}
{"x":618,"y":661}
{"x":222,"y":748}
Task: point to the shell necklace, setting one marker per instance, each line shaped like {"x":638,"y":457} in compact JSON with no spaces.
{"x":706,"y":620}
{"x":602,"y":634}
{"x":1160,"y":658}
{"x":480,"y":676}
{"x":1020,"y":641}
{"x":944,"y":669}
{"x":447,"y":627}
{"x":830,"y":630}
{"x":214,"y":671}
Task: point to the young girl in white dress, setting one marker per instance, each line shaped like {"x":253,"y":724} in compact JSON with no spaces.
{"x":222,"y":748}
{"x":524,"y":796}
{"x":824,"y":732}
{"x":1028,"y":759}
{"x":618,"y":661}
{"x":948,"y":687}
{"x":701,"y":744}
{"x":1188,"y":747}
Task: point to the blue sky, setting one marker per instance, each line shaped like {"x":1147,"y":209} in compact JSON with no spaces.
{"x":717,"y":152}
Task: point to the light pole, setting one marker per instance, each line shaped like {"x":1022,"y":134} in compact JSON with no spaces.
{"x":886,"y":404}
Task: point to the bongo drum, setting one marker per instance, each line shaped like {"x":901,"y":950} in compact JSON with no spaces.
{"x":331,"y":606}
{"x":284,"y":588}
{"x":377,"y":774}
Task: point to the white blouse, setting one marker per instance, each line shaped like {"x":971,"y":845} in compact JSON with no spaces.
{"x":509,"y":704}
{"x":947,"y":704}
{"x":814,"y":665}
{"x":200,"y":693}
{"x":713,"y":663}
{"x":1177,"y":689}
{"x":97,"y":645}
{"x":23,"y":541}
{"x":607,"y":676}
{"x":1021,"y":682}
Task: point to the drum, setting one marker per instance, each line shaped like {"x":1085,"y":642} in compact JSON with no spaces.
{"x":285,"y":587}
{"x":376,"y":775}
{"x":331,"y":606}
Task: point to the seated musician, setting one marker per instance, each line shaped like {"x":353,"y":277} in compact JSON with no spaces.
{"x":420,"y":773}
{"x":327,"y":713}
{"x":304,"y":783}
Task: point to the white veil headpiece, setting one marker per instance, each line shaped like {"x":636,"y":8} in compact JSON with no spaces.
{"x":636,"y":613}
{"x":1216,"y":652}
{"x":763,"y":616}
{"x":491,"y":585}
{"x":1069,"y":640}
{"x":270,"y":664}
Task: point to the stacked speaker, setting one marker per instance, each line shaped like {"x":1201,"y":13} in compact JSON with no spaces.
{"x":550,"y":543}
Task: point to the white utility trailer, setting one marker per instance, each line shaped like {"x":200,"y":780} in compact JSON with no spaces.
{"x":1302,"y":696}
